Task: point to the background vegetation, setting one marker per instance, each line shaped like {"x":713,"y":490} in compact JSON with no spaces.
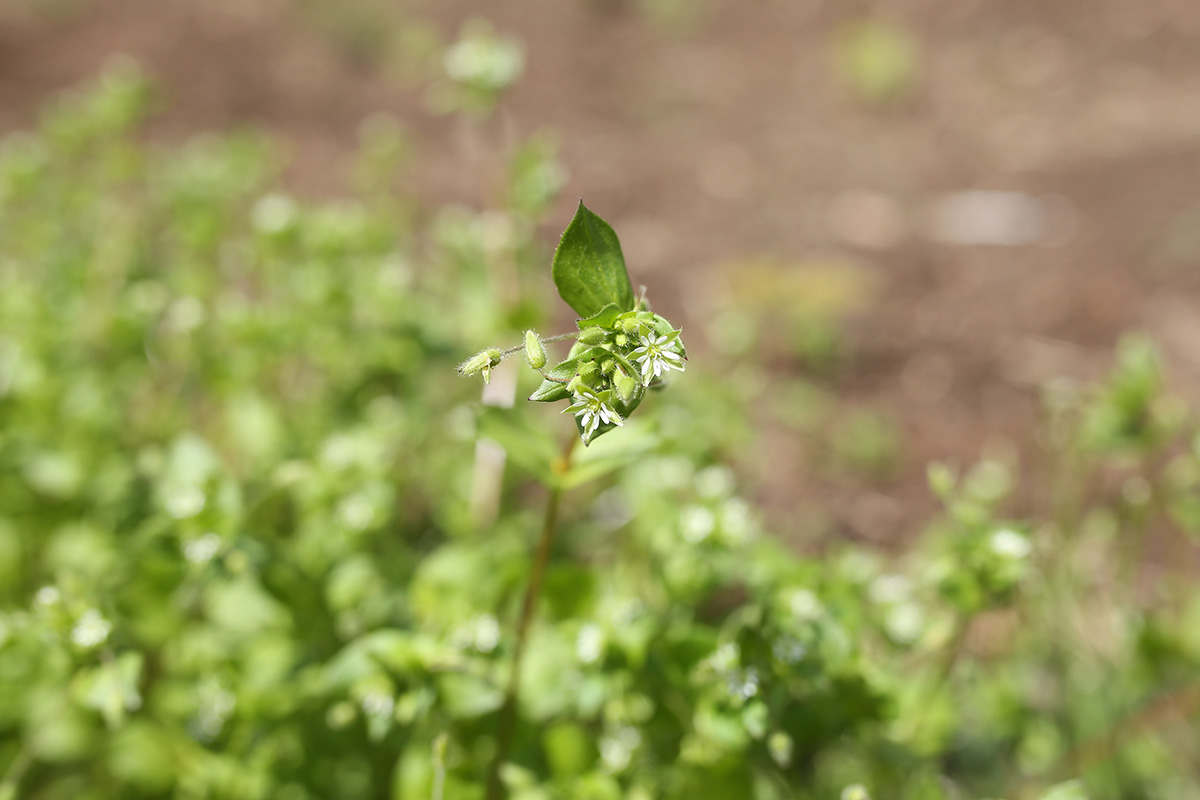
{"x":257,"y":539}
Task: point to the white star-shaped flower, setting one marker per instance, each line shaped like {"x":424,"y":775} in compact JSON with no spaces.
{"x":655,"y":358}
{"x":591,"y":411}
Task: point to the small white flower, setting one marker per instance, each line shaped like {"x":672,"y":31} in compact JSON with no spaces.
{"x":202,"y":549}
{"x":589,"y":644}
{"x":1010,"y":544}
{"x":591,"y":411}
{"x":655,"y":358}
{"x":90,"y":629}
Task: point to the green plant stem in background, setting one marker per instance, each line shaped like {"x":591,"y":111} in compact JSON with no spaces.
{"x":945,"y":670}
{"x":506,"y":725}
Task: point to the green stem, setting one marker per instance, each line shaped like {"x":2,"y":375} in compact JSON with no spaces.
{"x":945,"y":670}
{"x":559,"y":338}
{"x":506,"y":725}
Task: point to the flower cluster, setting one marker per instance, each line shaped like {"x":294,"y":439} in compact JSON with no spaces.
{"x":622,"y":347}
{"x":615,"y":359}
{"x":616,"y":356}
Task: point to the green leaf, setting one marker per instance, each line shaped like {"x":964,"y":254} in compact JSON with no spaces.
{"x":111,"y":688}
{"x":1071,"y":790}
{"x":601,"y":458}
{"x":565,"y":370}
{"x":589,"y":269}
{"x":554,"y":387}
{"x":528,"y":446}
{"x":550,"y":392}
{"x":604,"y":318}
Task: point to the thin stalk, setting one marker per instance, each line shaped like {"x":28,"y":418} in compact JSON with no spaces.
{"x":561,"y":337}
{"x":506,"y":725}
{"x":439,"y":766}
{"x":950,"y":657}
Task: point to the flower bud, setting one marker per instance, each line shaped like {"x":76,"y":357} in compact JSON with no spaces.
{"x":624,"y":385}
{"x":481,"y":362}
{"x":535,"y":351}
{"x":592,"y":336}
{"x":607,"y":366}
{"x":621,"y":340}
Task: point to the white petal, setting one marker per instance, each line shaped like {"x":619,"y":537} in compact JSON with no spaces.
{"x":670,"y":355}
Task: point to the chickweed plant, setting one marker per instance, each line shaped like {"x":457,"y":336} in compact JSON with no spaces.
{"x":621,"y":350}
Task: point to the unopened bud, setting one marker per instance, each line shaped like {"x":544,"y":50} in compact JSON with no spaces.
{"x":587,"y":368}
{"x":535,"y":351}
{"x":621,"y":340}
{"x":607,"y":366}
{"x":624,"y":385}
{"x":592,"y":336}
{"x":481,"y":362}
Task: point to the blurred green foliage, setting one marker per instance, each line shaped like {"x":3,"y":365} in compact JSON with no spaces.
{"x":240,"y":558}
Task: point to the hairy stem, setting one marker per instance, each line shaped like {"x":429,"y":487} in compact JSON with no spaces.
{"x":506,"y":725}
{"x":562,"y":337}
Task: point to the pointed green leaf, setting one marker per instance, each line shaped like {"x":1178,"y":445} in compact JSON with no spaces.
{"x":604,"y":318}
{"x":589,"y":269}
{"x":550,"y":392}
{"x":563,"y":371}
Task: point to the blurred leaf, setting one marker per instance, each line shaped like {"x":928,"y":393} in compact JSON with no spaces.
{"x":243,"y":606}
{"x":1071,"y":790}
{"x":468,"y":696}
{"x":611,"y":454}
{"x":111,"y":688}
{"x":529,"y":446}
{"x":141,"y":754}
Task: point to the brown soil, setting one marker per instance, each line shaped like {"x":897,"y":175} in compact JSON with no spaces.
{"x":729,"y":137}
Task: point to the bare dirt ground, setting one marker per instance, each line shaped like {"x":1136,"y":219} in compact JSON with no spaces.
{"x":729,"y":137}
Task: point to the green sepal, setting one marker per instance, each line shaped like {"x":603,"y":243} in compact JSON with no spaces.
{"x":625,"y":386}
{"x":663,"y":328}
{"x":589,"y":269}
{"x":604,"y":318}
